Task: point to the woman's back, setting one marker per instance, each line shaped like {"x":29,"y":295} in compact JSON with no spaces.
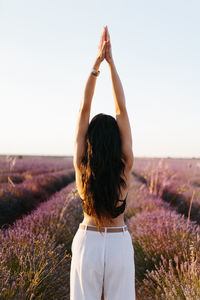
{"x":119,"y":220}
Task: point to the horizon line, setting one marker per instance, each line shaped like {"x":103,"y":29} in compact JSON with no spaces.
{"x":62,"y":156}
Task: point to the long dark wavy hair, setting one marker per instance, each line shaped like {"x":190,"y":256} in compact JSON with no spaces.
{"x":102,"y":167}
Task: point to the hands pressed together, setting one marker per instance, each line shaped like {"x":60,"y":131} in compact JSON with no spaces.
{"x":104,"y":48}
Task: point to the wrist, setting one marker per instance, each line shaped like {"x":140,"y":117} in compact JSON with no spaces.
{"x":110,"y":60}
{"x":111,"y":64}
{"x":96,"y":64}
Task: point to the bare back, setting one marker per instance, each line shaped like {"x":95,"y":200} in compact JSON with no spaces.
{"x":118,"y":221}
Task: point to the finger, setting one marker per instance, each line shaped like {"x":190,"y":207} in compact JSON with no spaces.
{"x":108,"y":45}
{"x":108,"y":35}
{"x":105,"y":33}
{"x":104,"y":49}
{"x":104,"y":45}
{"x":102,"y":38}
{"x":103,"y":52}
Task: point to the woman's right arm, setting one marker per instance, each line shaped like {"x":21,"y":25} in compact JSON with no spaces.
{"x":120,"y":108}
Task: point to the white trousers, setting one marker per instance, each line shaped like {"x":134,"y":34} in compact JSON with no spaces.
{"x":102,"y":261}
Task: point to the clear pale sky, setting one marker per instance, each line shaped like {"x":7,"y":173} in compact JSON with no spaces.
{"x":47,"y":49}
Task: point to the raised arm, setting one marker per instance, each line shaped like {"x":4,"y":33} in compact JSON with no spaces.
{"x":85,"y":106}
{"x":120,"y":107}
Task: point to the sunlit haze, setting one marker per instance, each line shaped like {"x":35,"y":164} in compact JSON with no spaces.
{"x":47,"y":50}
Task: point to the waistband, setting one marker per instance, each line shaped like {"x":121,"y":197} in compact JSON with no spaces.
{"x":104,"y":229}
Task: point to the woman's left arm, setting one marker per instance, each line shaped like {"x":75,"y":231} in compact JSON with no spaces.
{"x":85,"y":106}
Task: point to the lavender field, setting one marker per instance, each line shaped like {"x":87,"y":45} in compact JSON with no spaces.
{"x":40,"y":212}
{"x":27,"y":181}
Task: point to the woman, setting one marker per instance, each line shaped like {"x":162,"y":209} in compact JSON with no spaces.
{"x":102,"y":265}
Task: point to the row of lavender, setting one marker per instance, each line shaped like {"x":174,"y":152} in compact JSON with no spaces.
{"x":27,"y":166}
{"x":166,"y":243}
{"x":26,"y":182}
{"x":35,"y":253}
{"x":176,"y":181}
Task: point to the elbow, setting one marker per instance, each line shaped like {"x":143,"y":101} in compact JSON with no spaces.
{"x":84,"y":109}
{"x":130,"y":162}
